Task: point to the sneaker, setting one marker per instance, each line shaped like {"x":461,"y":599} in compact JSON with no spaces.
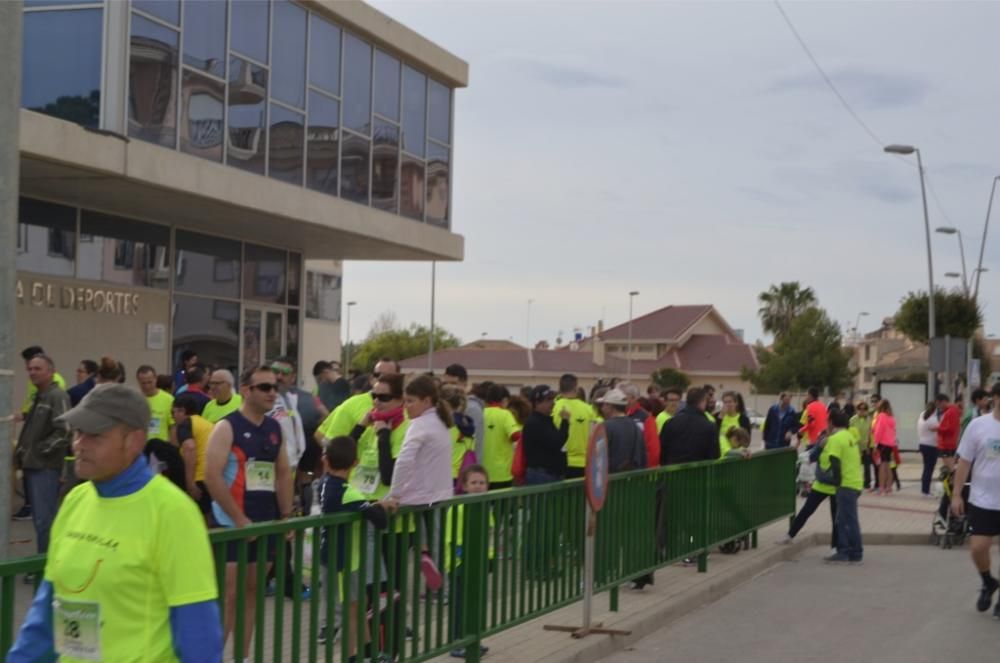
{"x":688,"y":561}
{"x":836,"y":558}
{"x":24,"y":513}
{"x":784,"y":541}
{"x":431,"y":574}
{"x":460,"y":651}
{"x":986,"y":595}
{"x":321,"y":638}
{"x":833,"y":551}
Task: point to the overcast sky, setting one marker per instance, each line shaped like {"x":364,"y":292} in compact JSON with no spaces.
{"x":690,"y":151}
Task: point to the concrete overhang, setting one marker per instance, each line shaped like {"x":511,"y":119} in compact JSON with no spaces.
{"x":65,"y":162}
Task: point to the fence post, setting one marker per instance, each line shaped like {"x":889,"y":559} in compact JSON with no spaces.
{"x":707,"y":501}
{"x":475,"y":563}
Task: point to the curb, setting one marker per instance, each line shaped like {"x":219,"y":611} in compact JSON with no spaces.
{"x":680,"y":605}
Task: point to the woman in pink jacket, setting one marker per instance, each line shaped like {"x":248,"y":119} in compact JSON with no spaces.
{"x":884,"y":436}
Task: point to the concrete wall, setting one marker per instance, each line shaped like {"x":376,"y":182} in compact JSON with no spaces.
{"x":72,"y":321}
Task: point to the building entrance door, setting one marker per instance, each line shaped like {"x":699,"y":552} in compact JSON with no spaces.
{"x":263,"y":335}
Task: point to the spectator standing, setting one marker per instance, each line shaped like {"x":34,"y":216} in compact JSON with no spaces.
{"x":225,"y":400}
{"x":86,"y":378}
{"x":626,"y":442}
{"x":581,"y":421}
{"x":980,"y":446}
{"x":196,"y":381}
{"x":979,"y":406}
{"x":42,"y":446}
{"x":816,"y":417}
{"x":27,"y":355}
{"x":780,"y":423}
{"x":729,"y":418}
{"x":502,"y":432}
{"x":949,"y":426}
{"x":884,"y":435}
{"x":332,"y":387}
{"x":193,"y":433}
{"x":161,"y":418}
{"x":189,"y":359}
{"x":689,"y":436}
{"x":645,"y":420}
{"x":845,"y":475}
{"x":861,"y":424}
{"x":544,"y":442}
{"x":927,"y":426}
{"x":351,"y":412}
{"x":286,"y":413}
{"x":672,"y":397}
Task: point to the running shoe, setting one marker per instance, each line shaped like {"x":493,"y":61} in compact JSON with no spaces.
{"x":24,"y":513}
{"x":986,"y":595}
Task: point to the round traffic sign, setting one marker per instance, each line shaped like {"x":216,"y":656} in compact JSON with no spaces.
{"x":596,"y":474}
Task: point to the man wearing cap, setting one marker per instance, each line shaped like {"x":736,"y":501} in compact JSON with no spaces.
{"x":544,"y":455}
{"x":626,"y":444}
{"x":129,"y":570}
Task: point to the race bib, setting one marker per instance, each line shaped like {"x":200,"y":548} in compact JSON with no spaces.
{"x":993,"y":449}
{"x":76,"y":627}
{"x":153,"y":432}
{"x":260,"y":476}
{"x":366,"y":479}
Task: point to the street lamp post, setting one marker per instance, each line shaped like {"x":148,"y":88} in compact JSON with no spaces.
{"x":931,"y":331}
{"x":631,"y":297}
{"x":857,"y":321}
{"x":982,"y":245}
{"x":347,"y":345}
{"x":961,"y":251}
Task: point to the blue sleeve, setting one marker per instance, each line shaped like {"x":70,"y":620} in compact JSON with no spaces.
{"x":34,"y":641}
{"x":197,"y":632}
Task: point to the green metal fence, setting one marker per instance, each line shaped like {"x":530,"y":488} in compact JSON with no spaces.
{"x":508,"y":557}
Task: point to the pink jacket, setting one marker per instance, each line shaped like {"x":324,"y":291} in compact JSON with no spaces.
{"x":885,"y":430}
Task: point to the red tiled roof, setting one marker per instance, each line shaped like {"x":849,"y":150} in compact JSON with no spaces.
{"x":712,"y":352}
{"x":669,"y":322}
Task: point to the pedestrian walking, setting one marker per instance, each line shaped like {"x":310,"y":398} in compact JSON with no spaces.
{"x":884,"y":435}
{"x":927,"y":427}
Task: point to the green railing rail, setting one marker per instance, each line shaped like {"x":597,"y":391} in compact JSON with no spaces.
{"x":513,"y":554}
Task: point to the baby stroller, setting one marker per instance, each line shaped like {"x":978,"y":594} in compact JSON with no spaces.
{"x":947,"y":529}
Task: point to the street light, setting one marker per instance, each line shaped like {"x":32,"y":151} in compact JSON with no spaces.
{"x":347,"y":345}
{"x":905,"y":150}
{"x":961,"y":249}
{"x":982,"y":245}
{"x":631,"y":297}
{"x":857,"y":321}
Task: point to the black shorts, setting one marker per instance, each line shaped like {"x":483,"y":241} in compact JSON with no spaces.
{"x":233,"y":549}
{"x":205,"y":503}
{"x":884,"y":453}
{"x":983,"y":522}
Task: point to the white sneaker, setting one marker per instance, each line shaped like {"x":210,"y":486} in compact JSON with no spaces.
{"x":833,"y":551}
{"x":784,"y":541}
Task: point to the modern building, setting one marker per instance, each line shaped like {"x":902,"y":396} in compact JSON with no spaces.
{"x":696,"y":340}
{"x":193,"y":173}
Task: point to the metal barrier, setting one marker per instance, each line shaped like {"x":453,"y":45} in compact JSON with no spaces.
{"x":513,"y":554}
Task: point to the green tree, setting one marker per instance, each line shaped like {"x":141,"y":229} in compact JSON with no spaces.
{"x":781,"y":304}
{"x":810,"y":354}
{"x":671,"y":377}
{"x":954,"y":315}
{"x":399,"y":344}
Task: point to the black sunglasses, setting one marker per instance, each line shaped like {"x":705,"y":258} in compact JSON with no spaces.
{"x":385,"y":398}
{"x":264,"y":387}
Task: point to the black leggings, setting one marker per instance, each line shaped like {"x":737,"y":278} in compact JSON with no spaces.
{"x":812,"y":503}
{"x":930,"y":455}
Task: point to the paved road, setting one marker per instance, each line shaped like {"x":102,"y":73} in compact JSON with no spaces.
{"x":906,"y":604}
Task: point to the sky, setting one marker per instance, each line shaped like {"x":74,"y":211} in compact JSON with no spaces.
{"x":691,"y":152}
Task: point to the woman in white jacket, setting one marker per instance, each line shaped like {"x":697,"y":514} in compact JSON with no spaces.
{"x":422,"y":474}
{"x":927,"y":425}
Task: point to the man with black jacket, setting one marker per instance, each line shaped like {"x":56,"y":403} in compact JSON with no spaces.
{"x":689,"y":436}
{"x":544,"y":444}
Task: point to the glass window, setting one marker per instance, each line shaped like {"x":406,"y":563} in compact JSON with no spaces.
{"x":61,"y":72}
{"x":123,"y":251}
{"x":323,"y":292}
{"x":210,"y":327}
{"x":357,"y":84}
{"x":46,"y":237}
{"x":411,"y":188}
{"x":354,"y":168}
{"x":292,"y":334}
{"x":324,"y":54}
{"x":385,"y":163}
{"x":287,"y":134}
{"x":168,"y":10}
{"x":323,"y":137}
{"x":246,"y":115}
{"x":203,"y":107}
{"x":205,"y":36}
{"x":206,"y":265}
{"x":28,"y":4}
{"x":264,"y":274}
{"x":414,"y":110}
{"x":152,"y":89}
{"x":437,"y":184}
{"x":294,"y":278}
{"x":386,"y":85}
{"x":289,"y":63}
{"x":439,"y":119}
{"x":248,"y":31}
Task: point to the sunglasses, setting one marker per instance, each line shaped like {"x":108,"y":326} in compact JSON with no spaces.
{"x":283,"y":370}
{"x":264,"y":387}
{"x":385,"y":398}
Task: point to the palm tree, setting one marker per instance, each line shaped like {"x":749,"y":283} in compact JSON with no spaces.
{"x":781,"y":304}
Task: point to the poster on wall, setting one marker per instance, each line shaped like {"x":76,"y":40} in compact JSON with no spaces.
{"x":156,"y":336}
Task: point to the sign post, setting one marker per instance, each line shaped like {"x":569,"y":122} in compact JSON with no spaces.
{"x":595,"y":484}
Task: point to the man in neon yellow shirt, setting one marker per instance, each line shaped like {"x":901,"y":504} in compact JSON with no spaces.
{"x":844,"y":458}
{"x":129,"y":571}
{"x":581,"y":421}
{"x":224,"y":400}
{"x":161,"y":405}
{"x":672,"y":397}
{"x":501,"y":433}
